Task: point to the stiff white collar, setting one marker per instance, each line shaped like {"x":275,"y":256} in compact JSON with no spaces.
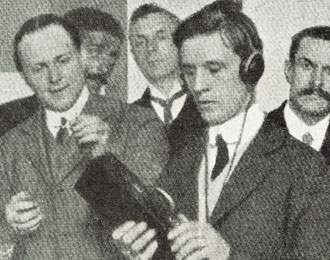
{"x":297,"y":128}
{"x":231,"y":129}
{"x":156,"y":93}
{"x":53,"y":118}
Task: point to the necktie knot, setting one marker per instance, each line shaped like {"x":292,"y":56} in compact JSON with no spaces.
{"x":307,"y":138}
{"x":62,"y":133}
{"x":167,"y":105}
{"x":222,"y":157}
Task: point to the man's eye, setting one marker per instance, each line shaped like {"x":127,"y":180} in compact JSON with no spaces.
{"x":38,"y":68}
{"x":214,"y":70}
{"x":306,"y":65}
{"x":139,"y":43}
{"x":64,"y":60}
{"x":188,"y":71}
{"x":327,"y":70}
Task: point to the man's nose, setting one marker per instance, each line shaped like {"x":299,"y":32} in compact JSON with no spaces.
{"x":151,"y":46}
{"x":317,"y":77}
{"x":54,"y":74}
{"x":200,"y":83}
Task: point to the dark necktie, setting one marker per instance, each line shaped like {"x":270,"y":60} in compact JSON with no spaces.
{"x":62,"y":134}
{"x":167,"y":105}
{"x":307,"y":139}
{"x":222,"y":157}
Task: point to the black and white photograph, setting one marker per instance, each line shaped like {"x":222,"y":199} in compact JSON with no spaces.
{"x":164,"y":129}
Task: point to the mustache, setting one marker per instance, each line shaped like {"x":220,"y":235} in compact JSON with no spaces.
{"x":319,"y":91}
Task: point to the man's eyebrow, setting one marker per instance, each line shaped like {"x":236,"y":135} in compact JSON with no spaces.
{"x":62,"y":55}
{"x":214,"y":63}
{"x":303,"y":58}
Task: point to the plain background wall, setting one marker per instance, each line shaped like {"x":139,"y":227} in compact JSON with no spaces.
{"x":14,"y":13}
{"x":276,"y":20}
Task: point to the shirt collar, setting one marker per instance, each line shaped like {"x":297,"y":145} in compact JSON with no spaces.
{"x":53,"y":118}
{"x":298,"y":128}
{"x":156,"y":93}
{"x":231,"y":129}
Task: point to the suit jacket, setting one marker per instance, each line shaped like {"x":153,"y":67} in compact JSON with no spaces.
{"x":67,"y":231}
{"x":188,"y":121}
{"x":278,"y":115}
{"x":274,"y":206}
{"x":17,"y":111}
{"x":142,"y":157}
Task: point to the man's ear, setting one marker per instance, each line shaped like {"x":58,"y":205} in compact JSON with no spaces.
{"x":288,"y":71}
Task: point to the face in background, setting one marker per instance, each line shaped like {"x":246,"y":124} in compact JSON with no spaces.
{"x":309,"y":78}
{"x":153,"y":47}
{"x":100,"y":51}
{"x":211,"y":70}
{"x":52,"y":67}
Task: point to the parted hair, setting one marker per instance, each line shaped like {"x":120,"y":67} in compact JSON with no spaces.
{"x":316,"y":32}
{"x":39,"y":22}
{"x":92,"y":19}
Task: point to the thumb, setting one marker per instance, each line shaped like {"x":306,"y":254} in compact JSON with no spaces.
{"x":183,"y":218}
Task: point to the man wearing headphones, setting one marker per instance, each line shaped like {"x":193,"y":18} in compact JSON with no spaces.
{"x":244,"y":189}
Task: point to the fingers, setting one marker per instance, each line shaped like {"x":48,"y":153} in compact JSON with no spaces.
{"x":181,"y":240}
{"x":21,"y":196}
{"x":135,"y":232}
{"x":23,"y":206}
{"x":30,"y":225}
{"x":121,"y":230}
{"x":21,"y":218}
{"x":178,"y":230}
{"x":139,"y":244}
{"x":197,"y":255}
{"x":136,"y":240}
{"x":149,"y":252}
{"x":189,"y":248}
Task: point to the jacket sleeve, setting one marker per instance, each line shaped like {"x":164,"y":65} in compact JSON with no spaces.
{"x":308,"y":226}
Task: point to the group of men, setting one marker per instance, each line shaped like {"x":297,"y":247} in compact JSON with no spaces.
{"x":243,"y":184}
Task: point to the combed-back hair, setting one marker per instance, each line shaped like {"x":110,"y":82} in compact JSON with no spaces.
{"x":316,"y":32}
{"x":146,"y":9}
{"x":39,"y":22}
{"x":92,"y":19}
{"x":227,"y":18}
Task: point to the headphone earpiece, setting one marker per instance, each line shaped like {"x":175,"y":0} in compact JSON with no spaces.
{"x":252,"y":68}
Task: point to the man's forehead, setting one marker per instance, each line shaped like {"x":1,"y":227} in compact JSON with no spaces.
{"x":206,"y":47}
{"x":317,"y":50}
{"x":99,"y":37}
{"x":152,"y":23}
{"x":48,"y":42}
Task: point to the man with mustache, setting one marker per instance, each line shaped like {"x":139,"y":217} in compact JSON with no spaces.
{"x":307,"y":111}
{"x":245,"y":188}
{"x":102,"y":38}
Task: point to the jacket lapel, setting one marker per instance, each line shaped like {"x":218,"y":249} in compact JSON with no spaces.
{"x":181,"y":179}
{"x":325,"y":149}
{"x":34,"y":146}
{"x":248,"y":173}
{"x":73,"y":155}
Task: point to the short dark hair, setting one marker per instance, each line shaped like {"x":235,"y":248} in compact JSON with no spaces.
{"x":39,"y":22}
{"x":146,"y":9}
{"x":316,"y":32}
{"x":91,"y":19}
{"x":225,"y":17}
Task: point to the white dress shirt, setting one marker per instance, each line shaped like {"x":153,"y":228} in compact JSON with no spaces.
{"x":237,"y":138}
{"x":53,"y":118}
{"x":297,"y":128}
{"x":177,"y":103}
